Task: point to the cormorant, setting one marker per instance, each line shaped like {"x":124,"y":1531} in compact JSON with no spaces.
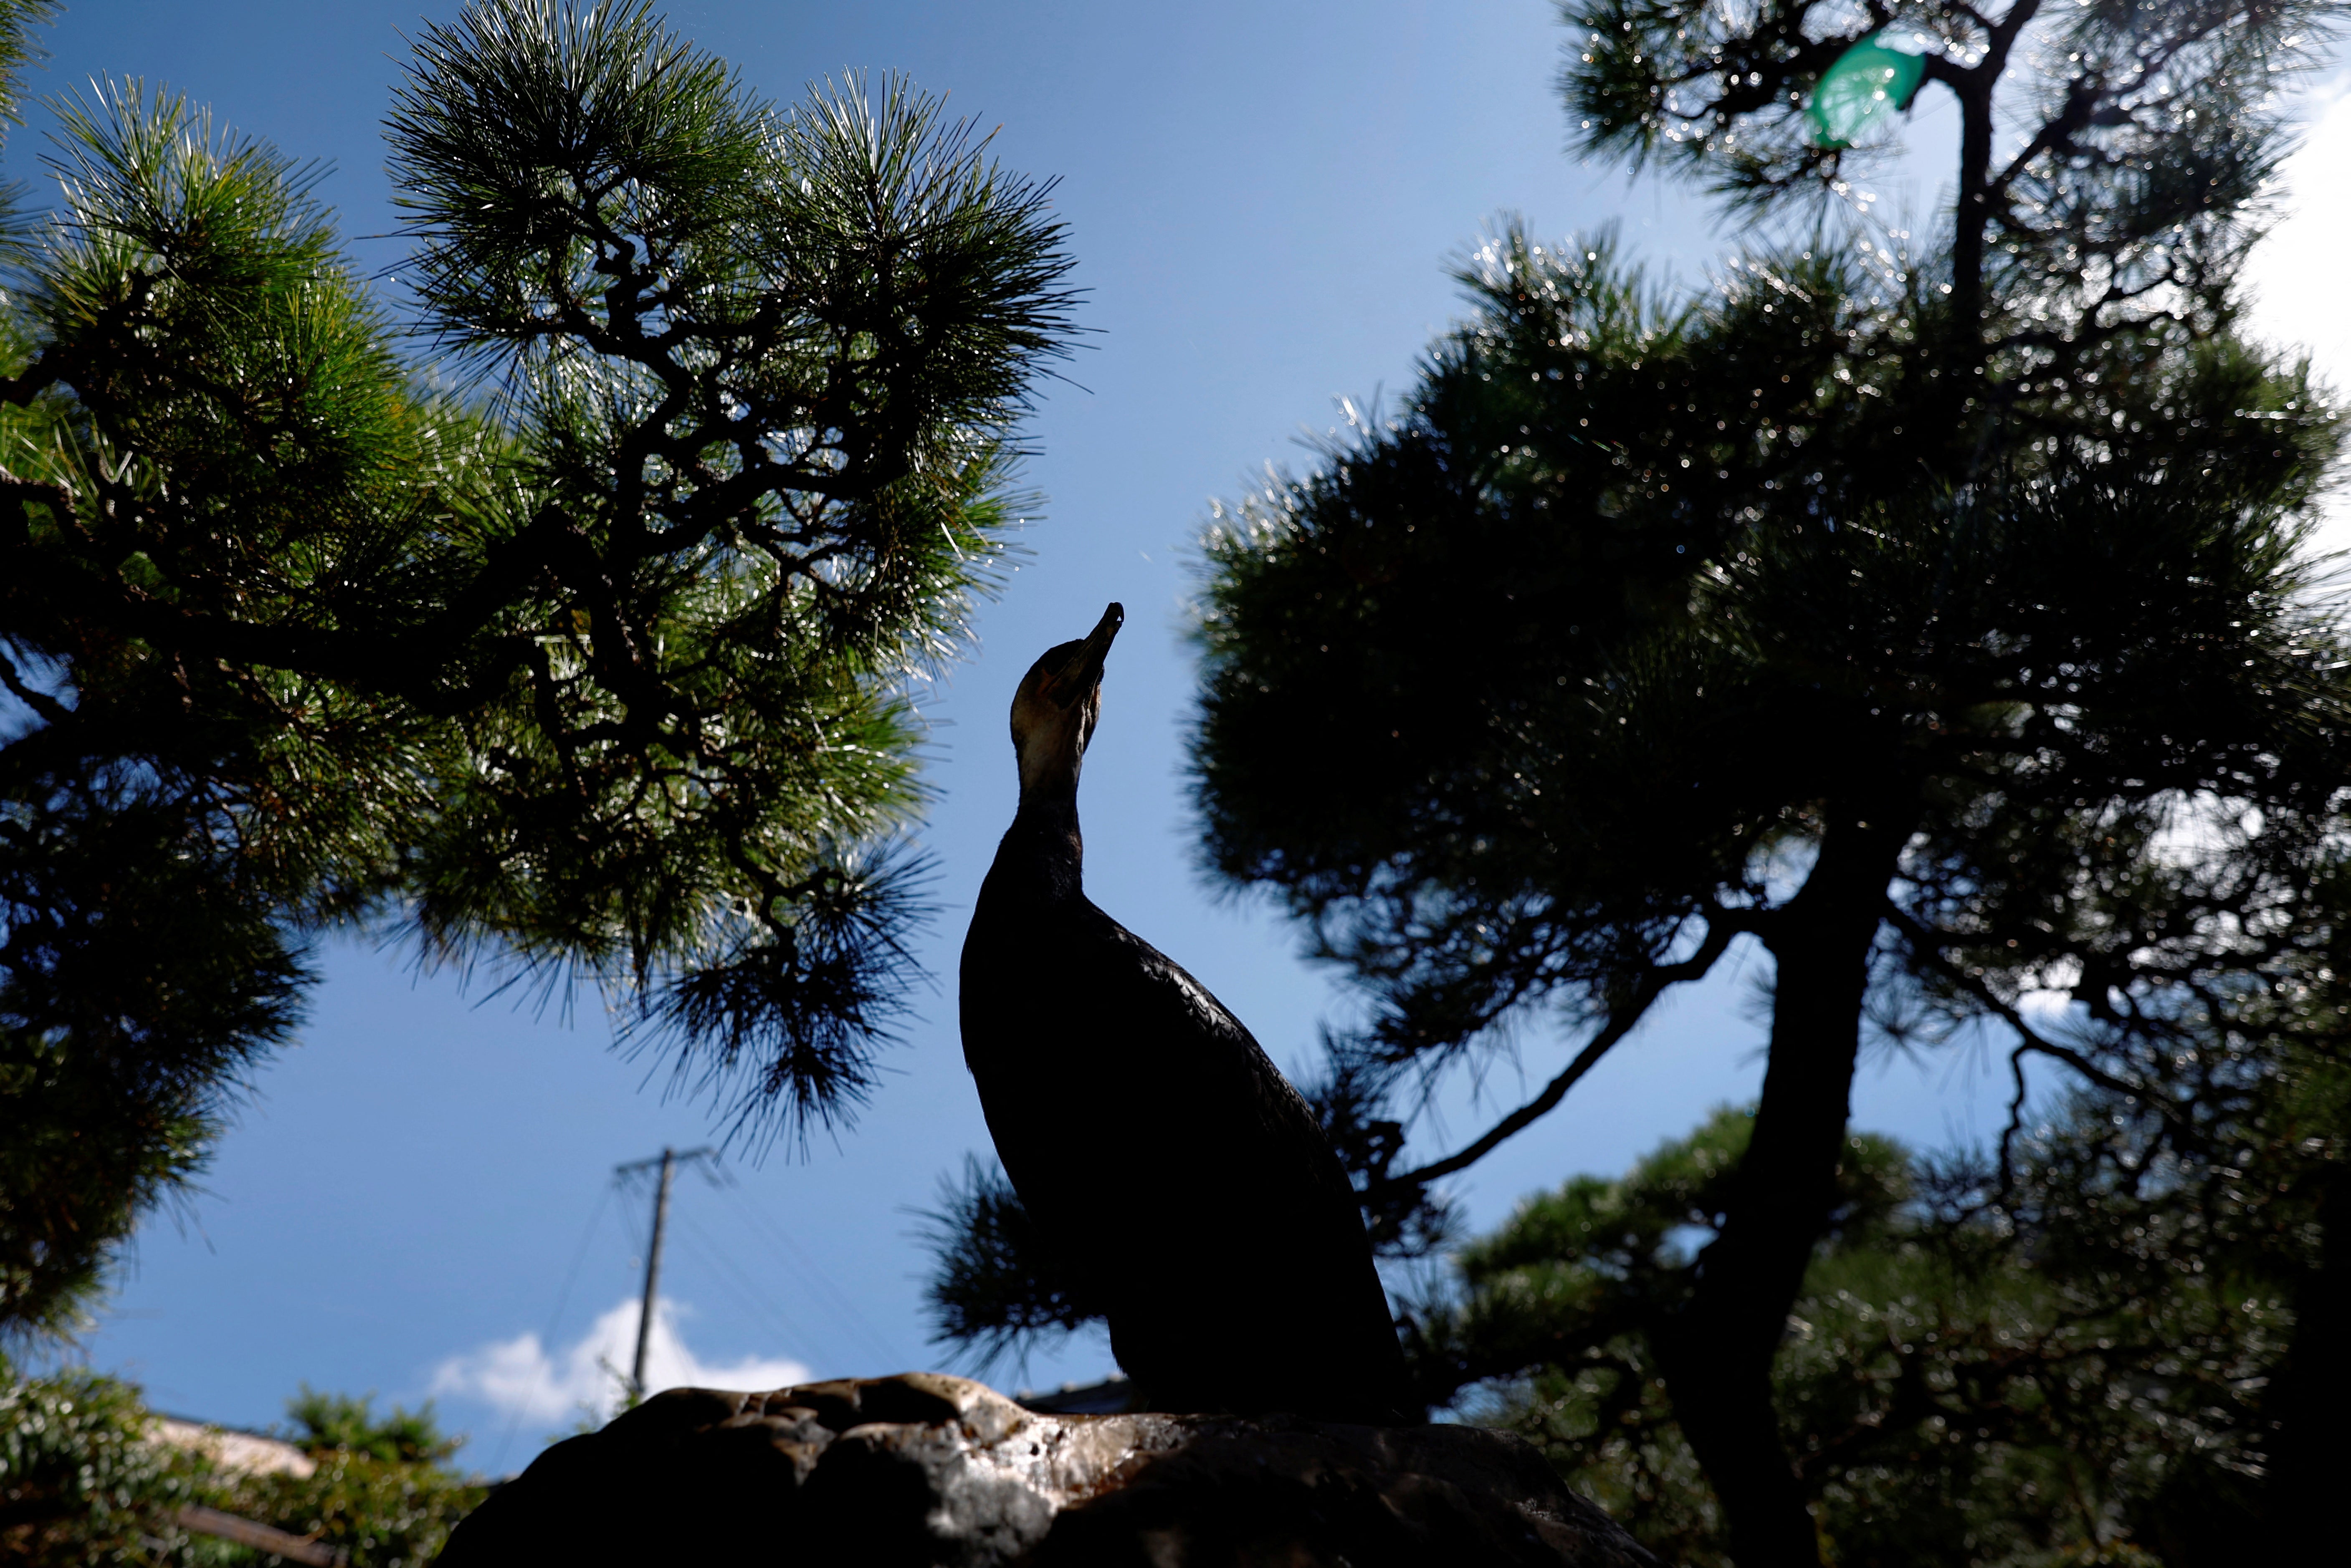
{"x":1175,"y":1171}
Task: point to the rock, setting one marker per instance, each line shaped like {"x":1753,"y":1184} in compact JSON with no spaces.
{"x":929,"y":1469}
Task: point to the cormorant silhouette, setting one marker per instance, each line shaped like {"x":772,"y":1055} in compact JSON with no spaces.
{"x":1173,"y":1170}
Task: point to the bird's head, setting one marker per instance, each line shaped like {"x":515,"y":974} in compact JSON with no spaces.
{"x":1053,"y":712}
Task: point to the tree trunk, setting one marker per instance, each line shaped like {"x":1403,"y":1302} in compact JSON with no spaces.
{"x":2311,"y":1450}
{"x":1717,"y":1351}
{"x":1971,"y":218}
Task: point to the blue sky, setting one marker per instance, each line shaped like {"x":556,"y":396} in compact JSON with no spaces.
{"x":1262,"y":199}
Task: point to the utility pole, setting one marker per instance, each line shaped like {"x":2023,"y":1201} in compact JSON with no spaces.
{"x":669,"y":1162}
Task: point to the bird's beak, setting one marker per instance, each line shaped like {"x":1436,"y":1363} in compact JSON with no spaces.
{"x":1084,"y":673}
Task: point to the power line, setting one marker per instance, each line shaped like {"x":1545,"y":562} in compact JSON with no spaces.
{"x":837,"y":1304}
{"x":562,"y":1300}
{"x":732,"y":1279}
{"x":731,"y":1276}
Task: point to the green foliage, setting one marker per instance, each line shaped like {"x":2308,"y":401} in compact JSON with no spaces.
{"x":383,"y":1491}
{"x":2069,"y":1365}
{"x":139,"y":975}
{"x":382,"y":1513}
{"x":82,"y":1480}
{"x":80,"y":1484}
{"x":1515,"y":706}
{"x":331,"y":1423}
{"x":1635,"y":1231}
{"x":599,"y":667}
{"x":17,"y":49}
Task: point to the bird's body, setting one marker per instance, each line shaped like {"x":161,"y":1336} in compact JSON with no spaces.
{"x":1163,"y":1156}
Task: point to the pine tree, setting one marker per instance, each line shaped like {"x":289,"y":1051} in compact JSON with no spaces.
{"x":1929,"y":612}
{"x":566,"y":614}
{"x":2068,"y":1365}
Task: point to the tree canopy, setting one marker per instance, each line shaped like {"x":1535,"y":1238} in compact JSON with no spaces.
{"x":1931,"y":611}
{"x":565,"y":612}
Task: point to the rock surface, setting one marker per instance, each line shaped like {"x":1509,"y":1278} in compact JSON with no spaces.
{"x":929,"y":1469}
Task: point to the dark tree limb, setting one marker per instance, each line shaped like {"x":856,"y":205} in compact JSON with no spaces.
{"x":1722,"y":929}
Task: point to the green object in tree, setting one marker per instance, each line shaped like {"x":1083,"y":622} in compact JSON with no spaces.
{"x":1867,"y":79}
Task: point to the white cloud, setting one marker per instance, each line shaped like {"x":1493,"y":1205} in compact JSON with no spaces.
{"x":522,"y":1377}
{"x":2296,"y":278}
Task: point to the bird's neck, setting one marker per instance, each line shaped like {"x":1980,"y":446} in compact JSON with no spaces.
{"x":1043,"y":855}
